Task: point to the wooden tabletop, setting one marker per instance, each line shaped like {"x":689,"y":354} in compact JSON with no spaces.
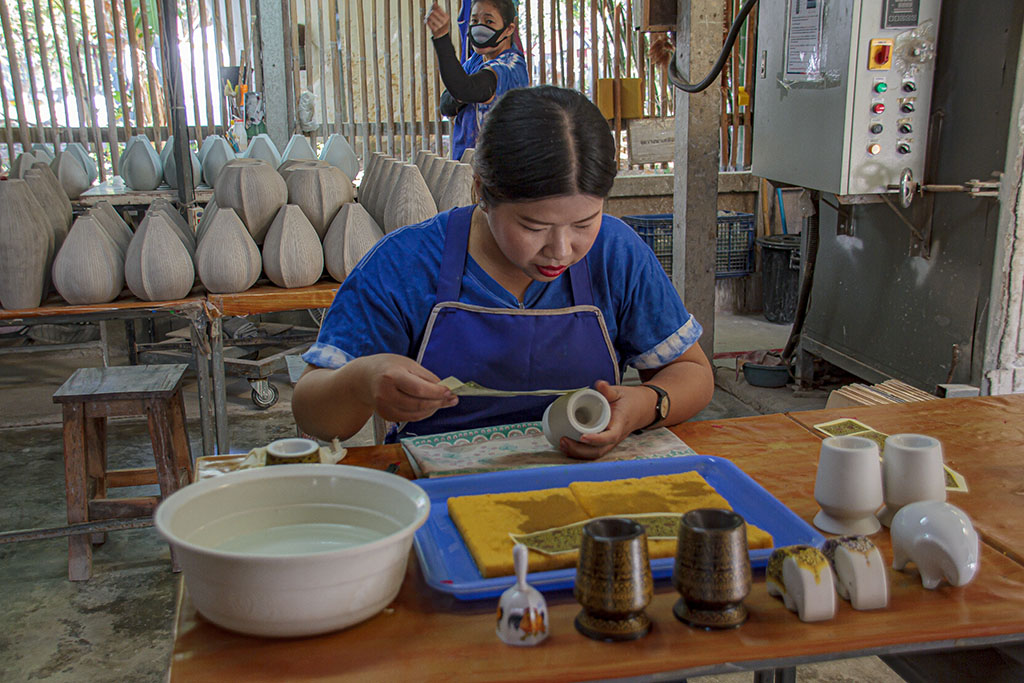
{"x":268,"y":298}
{"x":117,"y":193}
{"x":427,"y":635}
{"x":982,"y":439}
{"x":54,"y":306}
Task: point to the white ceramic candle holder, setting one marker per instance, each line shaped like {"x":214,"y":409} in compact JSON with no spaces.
{"x":848,"y":486}
{"x":911,"y":472}
{"x":585,"y":411}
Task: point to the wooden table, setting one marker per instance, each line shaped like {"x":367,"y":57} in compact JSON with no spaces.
{"x":119,"y":194}
{"x":427,"y":635}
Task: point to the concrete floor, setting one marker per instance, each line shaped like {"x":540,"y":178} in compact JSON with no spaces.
{"x":117,"y":626}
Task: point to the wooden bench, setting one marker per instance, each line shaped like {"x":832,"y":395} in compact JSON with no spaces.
{"x":89,"y":397}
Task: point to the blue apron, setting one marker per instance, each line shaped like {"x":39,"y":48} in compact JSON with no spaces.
{"x":513,"y":349}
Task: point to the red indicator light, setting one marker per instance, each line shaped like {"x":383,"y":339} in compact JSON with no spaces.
{"x":878,"y":108}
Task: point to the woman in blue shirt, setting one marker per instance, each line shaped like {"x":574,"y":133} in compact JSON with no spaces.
{"x":532,"y":288}
{"x":494,"y":67}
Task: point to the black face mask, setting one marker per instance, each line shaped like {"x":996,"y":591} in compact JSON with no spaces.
{"x":483,"y":37}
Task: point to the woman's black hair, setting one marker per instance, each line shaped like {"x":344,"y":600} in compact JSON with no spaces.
{"x":505,"y":8}
{"x":544,"y":142}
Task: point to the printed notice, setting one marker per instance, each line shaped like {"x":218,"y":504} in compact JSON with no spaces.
{"x":803,"y":38}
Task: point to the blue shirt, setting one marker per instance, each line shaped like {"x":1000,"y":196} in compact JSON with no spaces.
{"x":510,"y":69}
{"x":384,"y":303}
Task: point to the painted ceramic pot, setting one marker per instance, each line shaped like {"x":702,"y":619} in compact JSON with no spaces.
{"x":352,"y":234}
{"x":24,"y":259}
{"x":338,"y":153}
{"x":459,"y":190}
{"x":940,"y":539}
{"x":157,"y":266}
{"x":115,"y":226}
{"x":712,"y":569}
{"x":848,"y":486}
{"x":858,"y":571}
{"x":802,"y":577}
{"x":218,"y":154}
{"x":89,"y":268}
{"x":613,"y":580}
{"x":78,"y":150}
{"x":71,"y":174}
{"x":292,"y":253}
{"x":409,"y":201}
{"x":298,"y":147}
{"x":320,"y":193}
{"x":227,"y":259}
{"x":262,"y":147}
{"x":171,"y":168}
{"x":256,"y":192}
{"x":911,"y":471}
{"x":140,"y":166}
{"x":522,"y":610}
{"x":574,"y":414}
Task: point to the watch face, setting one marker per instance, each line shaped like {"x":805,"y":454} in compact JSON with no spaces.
{"x":663,"y":407}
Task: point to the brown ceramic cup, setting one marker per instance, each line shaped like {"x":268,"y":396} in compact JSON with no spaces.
{"x":613,"y":580}
{"x":712,"y":569}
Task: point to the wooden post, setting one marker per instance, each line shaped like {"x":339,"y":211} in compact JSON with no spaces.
{"x":115,"y":13}
{"x":350,"y":100}
{"x":218,"y":45}
{"x":594,"y":74}
{"x":176,"y":102}
{"x":389,"y":98}
{"x":192,"y":69}
{"x":108,"y":91}
{"x":748,"y":80}
{"x":12,"y":60}
{"x":412,"y":77}
{"x":45,"y":68}
{"x":339,"y":85}
{"x":206,"y":62}
{"x":308,"y":52}
{"x":60,"y":61}
{"x":365,"y":88}
{"x":401,"y":88}
{"x":30,"y":69}
{"x":325,"y":119}
{"x":8,"y":134}
{"x":528,"y":39}
{"x":618,"y":86}
{"x":147,"y":41}
{"x":90,"y":80}
{"x":84,"y":106}
{"x":425,"y":37}
{"x":570,"y":46}
{"x":378,"y":111}
{"x":734,"y":97}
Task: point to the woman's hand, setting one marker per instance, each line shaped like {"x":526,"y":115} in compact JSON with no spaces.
{"x":438,"y":21}
{"x":401,"y":390}
{"x":632,"y":409}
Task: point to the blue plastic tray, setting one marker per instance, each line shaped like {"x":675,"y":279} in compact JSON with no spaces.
{"x":448,"y":565}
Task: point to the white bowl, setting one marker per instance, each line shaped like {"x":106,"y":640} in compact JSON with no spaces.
{"x":293,"y":550}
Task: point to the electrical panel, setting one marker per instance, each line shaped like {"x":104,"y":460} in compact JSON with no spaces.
{"x":843,"y":92}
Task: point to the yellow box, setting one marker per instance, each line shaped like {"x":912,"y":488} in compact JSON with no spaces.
{"x":631,"y":98}
{"x":880,"y":54}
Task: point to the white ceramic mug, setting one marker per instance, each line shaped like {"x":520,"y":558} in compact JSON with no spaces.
{"x":291,"y":451}
{"x":585,"y":411}
{"x":848,"y":486}
{"x":911,"y":472}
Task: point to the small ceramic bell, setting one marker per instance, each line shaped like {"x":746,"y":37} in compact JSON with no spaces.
{"x":522,"y":610}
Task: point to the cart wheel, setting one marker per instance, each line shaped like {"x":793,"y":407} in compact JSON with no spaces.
{"x":264,"y":401}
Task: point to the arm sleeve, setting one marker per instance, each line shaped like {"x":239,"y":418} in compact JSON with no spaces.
{"x":480,"y":87}
{"x":449,"y":105}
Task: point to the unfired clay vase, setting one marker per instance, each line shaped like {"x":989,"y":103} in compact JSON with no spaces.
{"x":50,"y":195}
{"x":24,"y":256}
{"x":444,"y":175}
{"x":43,"y":152}
{"x":255,"y":190}
{"x":367,"y":186}
{"x":171,"y":168}
{"x":218,"y":154}
{"x":22,"y":163}
{"x":188,"y":237}
{"x":262,"y":147}
{"x":409,"y":201}
{"x":89,"y":268}
{"x":115,"y":226}
{"x":319,"y":192}
{"x":157,"y":266}
{"x":208,"y":142}
{"x":338,"y":153}
{"x":141,"y":167}
{"x":430,"y":177}
{"x":297,"y":148}
{"x":78,"y":150}
{"x":382,"y":186}
{"x":209,"y":211}
{"x":286,"y":167}
{"x":422,"y":160}
{"x":73,"y":177}
{"x":292,"y":253}
{"x":467,"y":155}
{"x":352,"y":234}
{"x":459,"y":190}
{"x":228,"y":260}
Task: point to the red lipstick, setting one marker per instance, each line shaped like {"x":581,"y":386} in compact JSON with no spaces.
{"x":550,"y":272}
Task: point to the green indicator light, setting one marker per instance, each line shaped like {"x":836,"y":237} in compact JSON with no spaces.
{"x":881,"y":87}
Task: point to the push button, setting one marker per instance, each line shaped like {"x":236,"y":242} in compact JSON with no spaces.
{"x":878,"y":108}
{"x":908,"y":107}
{"x":903,"y":148}
{"x":876,"y":128}
{"x":909,"y":86}
{"x":906,"y":128}
{"x":874,"y":149}
{"x":881,"y":87}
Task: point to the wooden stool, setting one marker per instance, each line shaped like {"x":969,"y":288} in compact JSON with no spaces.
{"x":89,"y":397}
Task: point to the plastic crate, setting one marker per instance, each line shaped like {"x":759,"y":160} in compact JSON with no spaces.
{"x":734,"y":246}
{"x":734,"y":252}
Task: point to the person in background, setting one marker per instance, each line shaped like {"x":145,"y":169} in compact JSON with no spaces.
{"x":495,"y":66}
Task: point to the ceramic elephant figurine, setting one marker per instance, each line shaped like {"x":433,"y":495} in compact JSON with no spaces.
{"x":858,"y":571}
{"x":801,"y":576}
{"x":939,"y":538}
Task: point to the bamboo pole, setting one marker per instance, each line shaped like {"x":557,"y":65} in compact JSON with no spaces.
{"x":91,"y":91}
{"x":554,"y":42}
{"x":12,"y":60}
{"x":582,"y":84}
{"x":412,"y":79}
{"x":723,"y":132}
{"x":540,"y":42}
{"x":388,"y":95}
{"x":593,"y":51}
{"x":78,"y":80}
{"x":60,"y":68}
{"x":424,"y":37}
{"x":243,"y":10}
{"x":307,"y":51}
{"x":528,"y":42}
{"x":378,"y":111}
{"x":618,"y":86}
{"x":154,"y":98}
{"x":8,"y":135}
{"x":296,"y":62}
{"x":362,"y":67}
{"x":218,"y":44}
{"x":570,"y":46}
{"x":115,"y":19}
{"x":192,"y":69}
{"x":256,"y":50}
{"x":30,"y":69}
{"x":323,"y":69}
{"x":230,"y":33}
{"x":339,"y":97}
{"x":206,"y":61}
{"x":108,"y":90}
{"x":401,"y":84}
{"x":436,"y":97}
{"x":734,"y":97}
{"x":350,"y":100}
{"x":748,"y":80}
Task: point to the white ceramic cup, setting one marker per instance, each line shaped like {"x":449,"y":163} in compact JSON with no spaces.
{"x":911,"y":471}
{"x":848,"y":486}
{"x":292,"y":451}
{"x":585,"y":411}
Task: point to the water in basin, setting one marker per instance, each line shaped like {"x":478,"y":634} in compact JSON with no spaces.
{"x":300,"y":539}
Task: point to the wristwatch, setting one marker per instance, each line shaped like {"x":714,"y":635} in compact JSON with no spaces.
{"x":661,"y":408}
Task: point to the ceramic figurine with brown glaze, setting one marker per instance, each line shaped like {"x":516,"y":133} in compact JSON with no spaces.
{"x":801,"y":576}
{"x":522,"y":610}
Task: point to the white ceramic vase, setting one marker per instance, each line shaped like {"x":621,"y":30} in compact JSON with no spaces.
{"x":292,"y":253}
{"x":218,"y":154}
{"x":320,"y":193}
{"x":227,"y":259}
{"x":409,"y":201}
{"x":157,"y":266}
{"x":298,"y":148}
{"x":459,"y":190}
{"x":255,"y":190}
{"x":89,"y":268}
{"x":115,"y":226}
{"x":574,"y":414}
{"x":262,"y":147}
{"x":141,"y":167}
{"x":338,"y":153}
{"x":352,"y":234}
{"x":24,"y":258}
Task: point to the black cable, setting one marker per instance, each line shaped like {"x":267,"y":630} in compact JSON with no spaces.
{"x":734,"y":32}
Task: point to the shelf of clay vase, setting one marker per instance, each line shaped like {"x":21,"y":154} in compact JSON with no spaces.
{"x":268,"y":298}
{"x":117,"y":193}
{"x":56,"y":306}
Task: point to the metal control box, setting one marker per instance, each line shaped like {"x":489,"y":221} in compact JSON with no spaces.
{"x":843,"y":91}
